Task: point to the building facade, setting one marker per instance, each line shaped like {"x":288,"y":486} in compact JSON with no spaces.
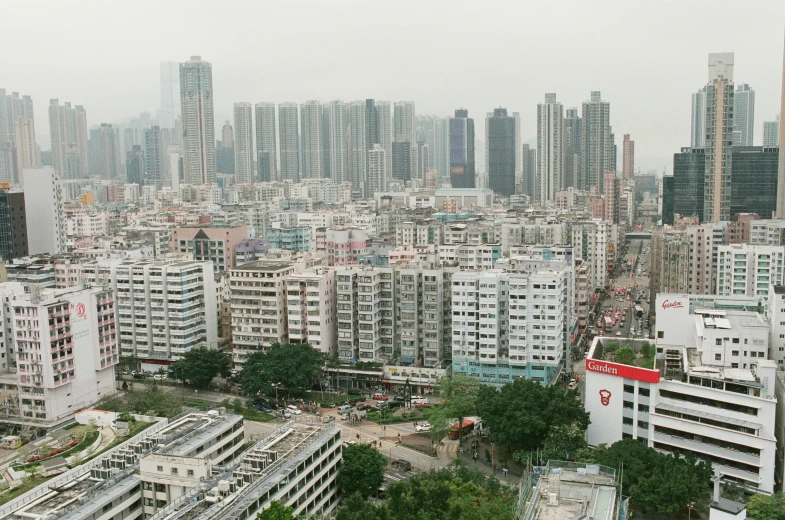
{"x":198,"y":121}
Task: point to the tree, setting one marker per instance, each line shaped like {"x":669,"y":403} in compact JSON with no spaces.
{"x":459,"y":394}
{"x":362,"y":470}
{"x":131,"y":362}
{"x":563,"y":442}
{"x":762,"y":507}
{"x":647,"y":350}
{"x":200,"y":365}
{"x":625,"y":356}
{"x":358,"y":508}
{"x":277,"y":511}
{"x":294,"y":366}
{"x":521,"y":414}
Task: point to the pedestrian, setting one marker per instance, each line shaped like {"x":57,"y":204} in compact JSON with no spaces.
{"x":384,"y":428}
{"x":415,"y":424}
{"x":399,"y":436}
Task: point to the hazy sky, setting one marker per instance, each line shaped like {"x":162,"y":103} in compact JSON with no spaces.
{"x":646,"y":56}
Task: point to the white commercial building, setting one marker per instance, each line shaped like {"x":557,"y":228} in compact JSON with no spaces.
{"x":711,"y":393}
{"x":310,"y":308}
{"x":44,"y":211}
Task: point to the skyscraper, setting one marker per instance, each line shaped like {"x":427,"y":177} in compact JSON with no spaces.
{"x":357,"y":143}
{"x":781,"y":170}
{"x":289,"y":135}
{"x":404,"y":130}
{"x":771,"y":132}
{"x":312,"y":117}
{"x":103,"y":152}
{"x":227,"y":135}
{"x":170,"y":94}
{"x":500,"y":150}
{"x":135,"y":166}
{"x":698,"y":119}
{"x":528,"y":171}
{"x":550,"y":149}
{"x":743,"y":115}
{"x":196,"y":100}
{"x":154,"y":158}
{"x":402,"y":160}
{"x":719,"y":138}
{"x":377,"y":170}
{"x":338,"y":144}
{"x":68,"y":134}
{"x":266,"y":158}
{"x":17,"y":135}
{"x":461,"y":141}
{"x":243,"y":143}
{"x":384,"y":128}
{"x":572,"y":149}
{"x":596,"y":143}
{"x":628,"y":160}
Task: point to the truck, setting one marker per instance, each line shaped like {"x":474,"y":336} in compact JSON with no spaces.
{"x":608,"y":324}
{"x":466,"y":428}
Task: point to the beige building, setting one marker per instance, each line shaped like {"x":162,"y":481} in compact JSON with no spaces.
{"x":216,"y":244}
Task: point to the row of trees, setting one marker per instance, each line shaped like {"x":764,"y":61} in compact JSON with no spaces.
{"x":524,"y":416}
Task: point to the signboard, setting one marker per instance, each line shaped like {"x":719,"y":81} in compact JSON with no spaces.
{"x":626,"y":371}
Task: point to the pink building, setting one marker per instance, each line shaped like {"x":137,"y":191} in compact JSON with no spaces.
{"x":597,"y":205}
{"x":341,"y":244}
{"x":610,"y":210}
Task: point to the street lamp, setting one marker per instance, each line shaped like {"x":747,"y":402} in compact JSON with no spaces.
{"x":690,"y":505}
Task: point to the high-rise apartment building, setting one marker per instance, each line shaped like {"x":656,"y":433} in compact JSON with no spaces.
{"x":68,"y":134}
{"x":771,"y":132}
{"x":170,"y":94}
{"x":243,"y":143}
{"x":154,"y":159}
{"x":77,"y":326}
{"x":628,"y":157}
{"x":528,"y":180}
{"x":198,"y":121}
{"x":501,"y":154}
{"x":461,"y":156}
{"x":289,"y":135}
{"x":377,"y":170}
{"x":227,"y":135}
{"x":165,"y":308}
{"x":404,"y":130}
{"x":266,"y":156}
{"x":743,"y":115}
{"x":402,"y":160}
{"x":310,"y":308}
{"x":597,"y":147}
{"x":135,"y":166}
{"x":103,"y":152}
{"x":358,"y":122}
{"x":313,"y":140}
{"x":748,"y":270}
{"x":550,"y":149}
{"x":44,"y":211}
{"x":719,"y":138}
{"x":258,"y":307}
{"x":423,"y":322}
{"x":338,"y":144}
{"x":17,"y":136}
{"x":378,"y":128}
{"x":572,"y":148}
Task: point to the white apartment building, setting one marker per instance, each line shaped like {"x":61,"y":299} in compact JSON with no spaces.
{"x":594,"y":243}
{"x":470,"y":257}
{"x":422,"y":314}
{"x":82,"y":223}
{"x":775,"y":311}
{"x":8,"y":290}
{"x":258,"y":306}
{"x":507,"y":325}
{"x":165,"y":308}
{"x":767,"y":232}
{"x":748,"y":270}
{"x":75,"y":328}
{"x":310,"y":308}
{"x":366,"y":313}
{"x":418,"y":234}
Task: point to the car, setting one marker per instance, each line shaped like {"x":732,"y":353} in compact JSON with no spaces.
{"x":573,"y":385}
{"x":264,"y":408}
{"x":423,"y":427}
{"x":139,"y":376}
{"x":285,"y":413}
{"x":345,"y":417}
{"x":618,"y":333}
{"x":294,"y":410}
{"x":422,"y":404}
{"x":361,"y":407}
{"x":328,"y":418}
{"x":380,"y":397}
{"x":401,"y":465}
{"x":395,"y":404}
{"x":159,"y":377}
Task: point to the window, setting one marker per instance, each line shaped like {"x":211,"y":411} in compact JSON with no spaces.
{"x":643,"y":408}
{"x":643,"y":391}
{"x":190,"y":473}
{"x":660,"y":334}
{"x":718,"y":341}
{"x":643,"y":424}
{"x":718,"y":357}
{"x":174,"y":471}
{"x":160,"y":468}
{"x":629,"y":389}
{"x":627,"y":420}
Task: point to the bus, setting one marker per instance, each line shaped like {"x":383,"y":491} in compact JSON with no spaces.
{"x":467,"y":428}
{"x":638,"y":311}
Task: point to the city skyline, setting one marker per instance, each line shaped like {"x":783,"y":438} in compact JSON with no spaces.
{"x":660,"y":124}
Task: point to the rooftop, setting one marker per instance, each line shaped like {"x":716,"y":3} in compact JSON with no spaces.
{"x":263,"y":265}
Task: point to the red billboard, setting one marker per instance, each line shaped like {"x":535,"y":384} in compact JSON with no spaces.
{"x":626,"y":371}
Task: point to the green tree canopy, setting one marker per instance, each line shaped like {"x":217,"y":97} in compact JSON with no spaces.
{"x":563,"y":441}
{"x":459,"y":394}
{"x":356,"y":507}
{"x":362,"y":470}
{"x":625,"y":356}
{"x":521,"y":414}
{"x":294,"y":366}
{"x":200,"y":365}
{"x":277,"y":511}
{"x":762,"y":507}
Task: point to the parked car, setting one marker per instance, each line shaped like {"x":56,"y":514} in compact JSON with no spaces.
{"x":361,"y":407}
{"x":159,"y":377}
{"x":380,"y":397}
{"x":293,"y":410}
{"x":139,"y":376}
